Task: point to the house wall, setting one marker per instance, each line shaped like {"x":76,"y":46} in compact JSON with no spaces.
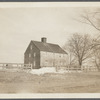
{"x":32,"y":56}
{"x":48,"y":59}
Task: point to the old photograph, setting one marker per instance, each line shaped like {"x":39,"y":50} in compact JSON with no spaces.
{"x":49,"y":48}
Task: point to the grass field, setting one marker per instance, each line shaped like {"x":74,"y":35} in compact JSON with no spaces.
{"x":21,"y":82}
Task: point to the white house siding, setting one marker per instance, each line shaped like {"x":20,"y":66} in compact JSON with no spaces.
{"x":48,"y":59}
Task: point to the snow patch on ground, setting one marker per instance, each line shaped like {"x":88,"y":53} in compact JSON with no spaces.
{"x":49,"y":70}
{"x":43,"y":70}
{"x":40,"y":71}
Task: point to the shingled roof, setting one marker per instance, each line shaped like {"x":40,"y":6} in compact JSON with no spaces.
{"x":49,"y":47}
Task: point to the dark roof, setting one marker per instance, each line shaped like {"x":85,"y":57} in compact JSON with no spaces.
{"x":49,"y":47}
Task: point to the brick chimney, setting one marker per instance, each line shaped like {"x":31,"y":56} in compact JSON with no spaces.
{"x":44,"y":39}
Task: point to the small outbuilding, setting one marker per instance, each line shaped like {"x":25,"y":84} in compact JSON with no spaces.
{"x":43,"y":54}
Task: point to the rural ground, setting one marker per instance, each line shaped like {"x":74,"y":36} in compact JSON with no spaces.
{"x":22,"y":82}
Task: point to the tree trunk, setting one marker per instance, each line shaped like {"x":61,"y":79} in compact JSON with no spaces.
{"x":98,"y":66}
{"x":80,"y":64}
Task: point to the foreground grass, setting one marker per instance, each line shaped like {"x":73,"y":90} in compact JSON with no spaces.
{"x":21,"y":82}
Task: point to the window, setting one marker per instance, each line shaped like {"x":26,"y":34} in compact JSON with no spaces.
{"x":46,"y":62}
{"x":34,"y":54}
{"x":29,"y":55}
{"x":34,"y":63}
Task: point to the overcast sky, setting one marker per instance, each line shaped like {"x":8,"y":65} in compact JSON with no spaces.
{"x":18,"y":26}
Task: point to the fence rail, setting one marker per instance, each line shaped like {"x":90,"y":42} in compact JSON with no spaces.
{"x":15,"y":66}
{"x":77,"y":69}
{"x":29,"y":66}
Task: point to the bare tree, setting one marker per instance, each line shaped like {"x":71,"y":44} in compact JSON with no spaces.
{"x":96,"y":52}
{"x":71,"y":58}
{"x":80,"y":46}
{"x":91,"y":18}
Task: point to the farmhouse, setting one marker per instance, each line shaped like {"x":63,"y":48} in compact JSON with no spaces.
{"x":43,"y":54}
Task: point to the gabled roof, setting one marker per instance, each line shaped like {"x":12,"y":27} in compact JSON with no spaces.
{"x":49,"y":47}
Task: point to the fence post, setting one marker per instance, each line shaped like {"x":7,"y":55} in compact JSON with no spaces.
{"x":3,"y":66}
{"x":31,"y":66}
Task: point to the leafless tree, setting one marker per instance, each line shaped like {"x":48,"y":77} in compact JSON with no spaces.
{"x":71,"y":59}
{"x":96,"y":52}
{"x":91,"y":18}
{"x":80,"y":47}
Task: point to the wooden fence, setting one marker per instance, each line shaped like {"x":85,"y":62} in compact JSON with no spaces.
{"x":15,"y":66}
{"x":85,"y":69}
{"x":22,"y":66}
{"x":89,"y":69}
